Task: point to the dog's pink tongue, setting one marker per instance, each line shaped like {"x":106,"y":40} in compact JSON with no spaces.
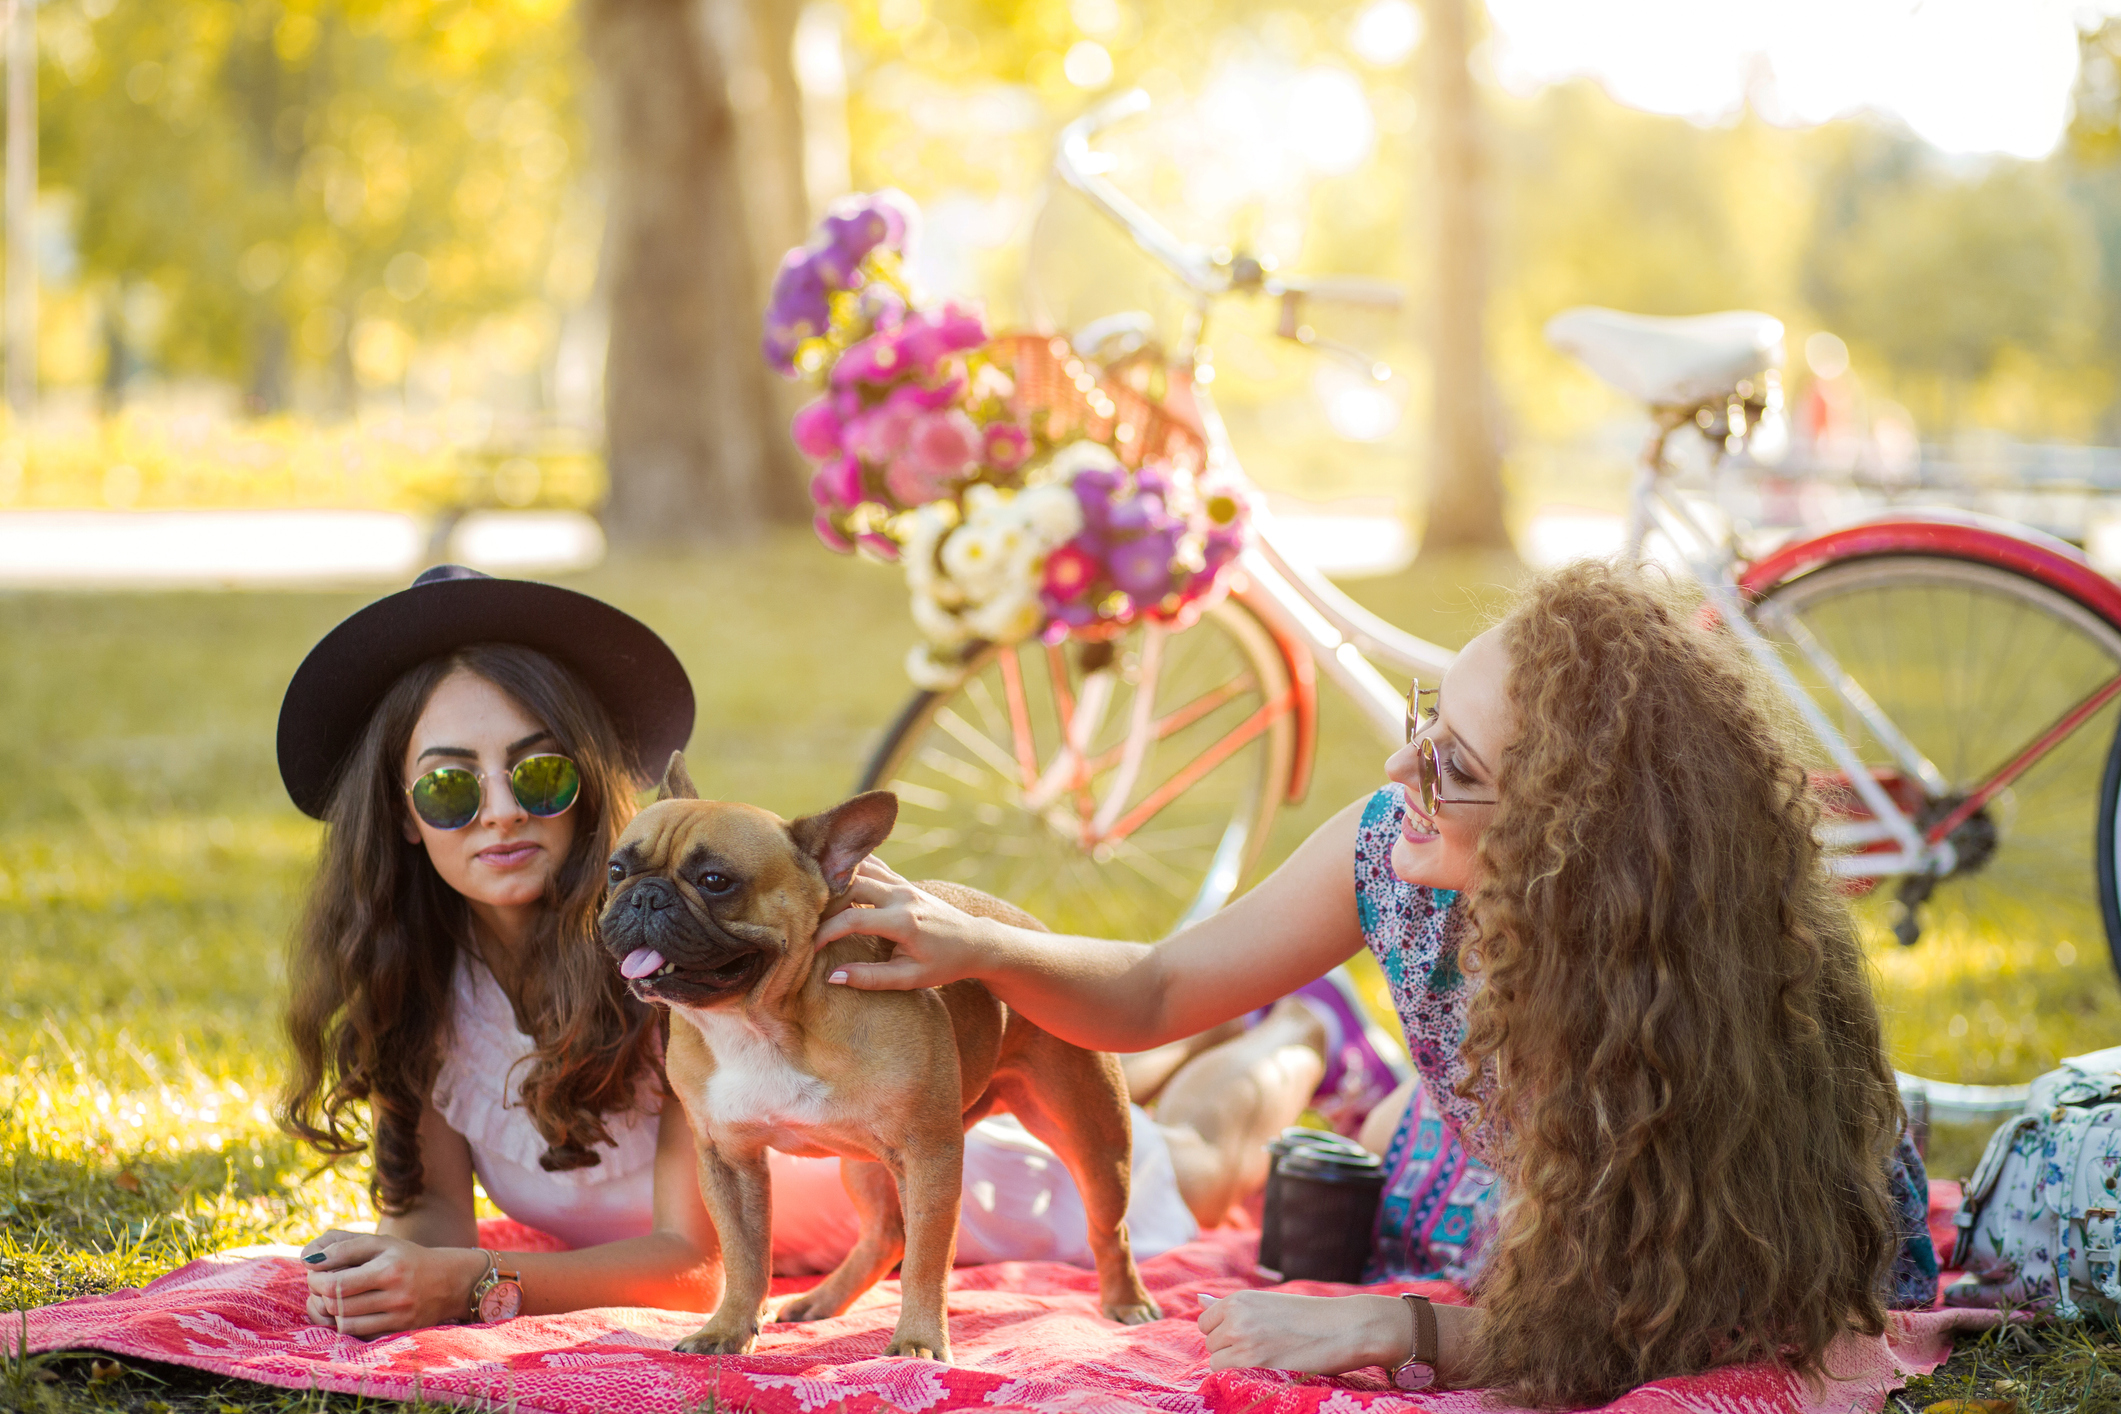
{"x":640,"y":962}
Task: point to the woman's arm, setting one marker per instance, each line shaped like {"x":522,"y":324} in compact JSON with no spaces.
{"x":419,"y":1268}
{"x":1326,"y":1335}
{"x":1117,"y":996}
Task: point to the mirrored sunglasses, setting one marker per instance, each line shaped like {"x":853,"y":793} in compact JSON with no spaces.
{"x":449,"y":797}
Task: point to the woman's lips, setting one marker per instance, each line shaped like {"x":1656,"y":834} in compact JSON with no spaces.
{"x":1414,"y":827}
{"x":512,"y":855}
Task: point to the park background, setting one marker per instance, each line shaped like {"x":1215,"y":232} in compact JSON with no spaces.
{"x":304,"y":296}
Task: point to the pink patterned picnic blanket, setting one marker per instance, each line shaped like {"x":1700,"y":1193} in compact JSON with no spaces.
{"x":1026,"y":1335}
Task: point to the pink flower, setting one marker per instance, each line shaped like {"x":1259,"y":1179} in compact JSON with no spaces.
{"x":1005,"y":446}
{"x":837,"y":486}
{"x":829,"y":533}
{"x":816,"y":430}
{"x":878,"y":435}
{"x":1070,"y":571}
{"x":913,"y":486}
{"x":943,"y":443}
{"x":927,"y":399}
{"x":880,"y":358}
{"x":932,"y":335}
{"x":881,"y":546}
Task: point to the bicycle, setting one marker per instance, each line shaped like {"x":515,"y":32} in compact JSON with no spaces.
{"x":1129,"y":785}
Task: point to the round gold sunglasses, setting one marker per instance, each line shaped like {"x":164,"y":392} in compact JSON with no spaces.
{"x":1428,"y":771}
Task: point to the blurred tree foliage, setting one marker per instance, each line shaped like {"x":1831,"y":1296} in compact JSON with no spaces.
{"x":304,"y":193}
{"x":268,"y":185}
{"x":317,"y":183}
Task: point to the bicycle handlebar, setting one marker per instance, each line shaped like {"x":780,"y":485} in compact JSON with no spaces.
{"x":1082,"y":167}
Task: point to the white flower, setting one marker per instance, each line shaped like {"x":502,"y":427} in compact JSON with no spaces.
{"x":929,"y":672}
{"x":939,"y":625}
{"x":1052,"y":511}
{"x":1063,"y":467}
{"x":1009,"y":617}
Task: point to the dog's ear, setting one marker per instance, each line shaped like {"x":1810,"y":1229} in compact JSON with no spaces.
{"x":677,"y":781}
{"x":842,"y":837}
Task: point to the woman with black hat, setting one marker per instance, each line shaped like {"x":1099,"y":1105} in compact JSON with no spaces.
{"x":472,"y":746}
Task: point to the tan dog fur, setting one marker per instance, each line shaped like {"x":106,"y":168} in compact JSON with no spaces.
{"x":764,"y":1053}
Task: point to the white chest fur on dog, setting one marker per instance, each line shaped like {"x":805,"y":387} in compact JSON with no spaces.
{"x":753,"y":1085}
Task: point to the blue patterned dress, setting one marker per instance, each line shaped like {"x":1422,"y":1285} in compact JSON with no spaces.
{"x":1441,"y":1198}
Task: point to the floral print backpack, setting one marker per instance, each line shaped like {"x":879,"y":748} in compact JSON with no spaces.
{"x":2037,"y":1230}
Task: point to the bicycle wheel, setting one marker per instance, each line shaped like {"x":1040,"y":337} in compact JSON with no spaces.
{"x":1976,"y":665}
{"x":1093,"y":837}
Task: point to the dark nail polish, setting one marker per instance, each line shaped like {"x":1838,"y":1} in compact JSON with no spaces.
{"x":314,"y":1258}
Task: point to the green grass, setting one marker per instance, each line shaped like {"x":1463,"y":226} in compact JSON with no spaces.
{"x":150,"y":866}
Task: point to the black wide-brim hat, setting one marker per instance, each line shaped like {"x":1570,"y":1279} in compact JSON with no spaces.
{"x":632,"y":672}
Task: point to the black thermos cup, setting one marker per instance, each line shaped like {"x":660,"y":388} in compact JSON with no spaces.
{"x":1320,"y":1207}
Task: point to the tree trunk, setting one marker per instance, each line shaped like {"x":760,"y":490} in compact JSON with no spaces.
{"x":1465,"y":455}
{"x":685,"y":391}
{"x":757,"y":38}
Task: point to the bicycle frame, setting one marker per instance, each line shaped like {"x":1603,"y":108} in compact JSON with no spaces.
{"x":1318,"y":624}
{"x":1298,"y":602}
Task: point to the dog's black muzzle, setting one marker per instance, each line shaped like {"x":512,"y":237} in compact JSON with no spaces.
{"x":702,"y":961}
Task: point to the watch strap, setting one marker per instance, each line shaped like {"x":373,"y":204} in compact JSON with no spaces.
{"x":485,"y":1283}
{"x":1418,"y":1370}
{"x":1424,"y":1328}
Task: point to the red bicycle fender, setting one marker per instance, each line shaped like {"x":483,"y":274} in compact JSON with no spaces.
{"x":2055,"y":563}
{"x":1303,"y":687}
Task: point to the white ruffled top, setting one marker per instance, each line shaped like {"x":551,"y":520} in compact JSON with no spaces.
{"x":477,"y":1089}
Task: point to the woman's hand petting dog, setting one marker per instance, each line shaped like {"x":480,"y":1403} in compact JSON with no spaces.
{"x":1322,"y":1335}
{"x":364,"y":1284}
{"x":933,"y":943}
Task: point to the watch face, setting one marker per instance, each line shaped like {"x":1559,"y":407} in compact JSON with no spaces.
{"x":503,"y":1301}
{"x":1414,"y":1375}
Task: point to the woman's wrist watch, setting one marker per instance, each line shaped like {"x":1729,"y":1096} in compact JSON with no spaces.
{"x":1418,"y":1370}
{"x":498,"y":1295}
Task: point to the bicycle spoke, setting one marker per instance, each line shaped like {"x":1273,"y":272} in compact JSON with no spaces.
{"x":1973,"y":664}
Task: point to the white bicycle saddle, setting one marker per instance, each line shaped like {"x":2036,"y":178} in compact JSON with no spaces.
{"x":1669,"y":362}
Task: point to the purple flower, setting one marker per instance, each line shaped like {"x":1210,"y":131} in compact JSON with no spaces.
{"x":1066,"y":616}
{"x":1142,"y":568}
{"x":816,"y":429}
{"x":1144,"y":512}
{"x":1094,"y":490}
{"x":849,"y":236}
{"x":799,"y":309}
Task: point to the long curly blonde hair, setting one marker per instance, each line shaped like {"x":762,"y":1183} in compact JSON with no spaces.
{"x":1687,"y":1091}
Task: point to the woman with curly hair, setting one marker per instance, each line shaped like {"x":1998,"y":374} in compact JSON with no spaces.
{"x":1655,"y":1130}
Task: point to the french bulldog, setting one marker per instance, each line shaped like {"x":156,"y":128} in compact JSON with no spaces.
{"x":712,"y":911}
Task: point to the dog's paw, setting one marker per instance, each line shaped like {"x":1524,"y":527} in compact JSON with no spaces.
{"x":919,"y":1347}
{"x":713,"y":1340}
{"x":1137,"y":1315}
{"x":806,"y":1307}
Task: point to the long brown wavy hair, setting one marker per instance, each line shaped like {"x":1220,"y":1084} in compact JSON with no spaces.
{"x":377,"y":945}
{"x":1686,"y":1087}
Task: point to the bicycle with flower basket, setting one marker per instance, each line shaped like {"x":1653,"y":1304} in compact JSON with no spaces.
{"x":1117,"y":673}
